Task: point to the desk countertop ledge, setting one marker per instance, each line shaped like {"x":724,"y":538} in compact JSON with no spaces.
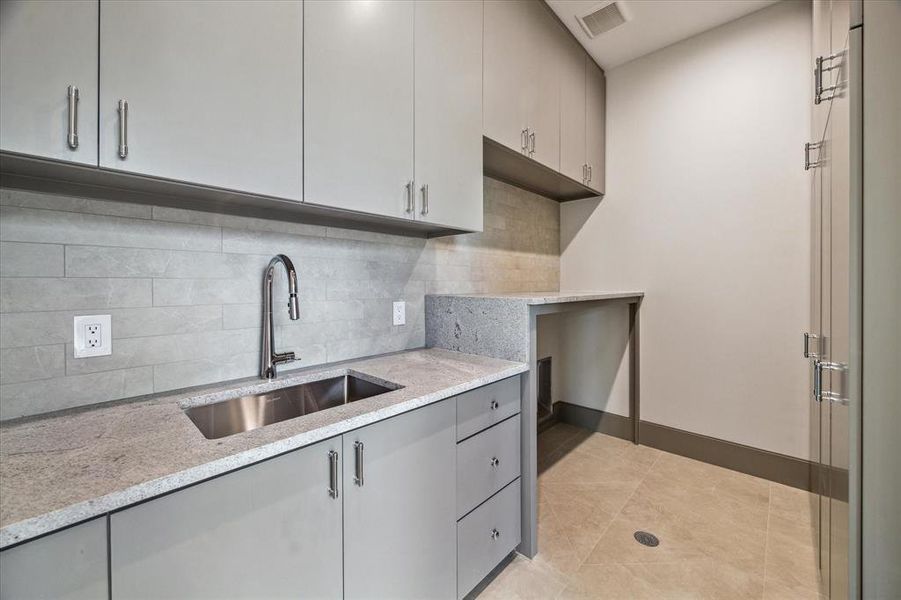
{"x":69,"y":467}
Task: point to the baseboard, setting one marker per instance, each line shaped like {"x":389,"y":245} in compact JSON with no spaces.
{"x":594,"y":420}
{"x":788,"y":470}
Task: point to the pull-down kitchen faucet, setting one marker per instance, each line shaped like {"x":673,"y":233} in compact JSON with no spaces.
{"x":269,"y":357}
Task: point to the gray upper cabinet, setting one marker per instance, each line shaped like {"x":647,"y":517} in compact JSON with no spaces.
{"x":214,"y":92}
{"x":358,"y":78}
{"x":545,"y":57}
{"x":448,"y":113}
{"x":506,"y":104}
{"x":399,"y":506}
{"x":544,"y":99}
{"x":272,"y":530}
{"x":595,"y":128}
{"x":67,"y":565}
{"x":573,"y":162}
{"x":521,"y":95}
{"x":48,"y":79}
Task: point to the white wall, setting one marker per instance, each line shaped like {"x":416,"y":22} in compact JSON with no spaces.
{"x":707,"y":211}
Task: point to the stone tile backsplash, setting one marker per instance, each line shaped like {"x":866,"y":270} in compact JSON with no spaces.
{"x":184,"y":290}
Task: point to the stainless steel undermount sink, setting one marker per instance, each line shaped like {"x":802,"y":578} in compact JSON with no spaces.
{"x":228,"y":417}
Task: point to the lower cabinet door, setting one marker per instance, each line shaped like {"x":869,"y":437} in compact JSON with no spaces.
{"x":271,"y":530}
{"x":399,"y":506}
{"x":67,"y":565}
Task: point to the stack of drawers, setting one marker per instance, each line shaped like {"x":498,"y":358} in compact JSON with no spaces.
{"x":488,"y":479}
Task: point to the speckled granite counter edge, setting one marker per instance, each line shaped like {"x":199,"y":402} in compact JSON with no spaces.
{"x":16,"y":533}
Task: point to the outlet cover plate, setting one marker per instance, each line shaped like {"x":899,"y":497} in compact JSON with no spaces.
{"x":400,"y":313}
{"x":93,"y":336}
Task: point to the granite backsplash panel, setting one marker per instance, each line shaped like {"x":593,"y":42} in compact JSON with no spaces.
{"x":184,"y":290}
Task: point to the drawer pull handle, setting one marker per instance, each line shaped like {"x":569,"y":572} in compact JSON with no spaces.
{"x":495,"y":534}
{"x":494,"y":461}
{"x":494,"y":405}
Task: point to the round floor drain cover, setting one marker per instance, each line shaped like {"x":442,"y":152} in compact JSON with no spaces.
{"x":646,"y":539}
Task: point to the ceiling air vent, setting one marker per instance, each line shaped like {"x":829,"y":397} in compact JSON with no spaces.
{"x":602,"y":19}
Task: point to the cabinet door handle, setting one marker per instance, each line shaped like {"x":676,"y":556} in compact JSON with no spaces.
{"x":494,"y":405}
{"x":425,"y":199}
{"x":589,"y":173}
{"x":358,"y":463}
{"x":72,"y":137}
{"x":531,"y":143}
{"x":123,"y":129}
{"x":495,"y":461}
{"x":524,"y":140}
{"x":409,"y":188}
{"x":333,"y":473}
{"x":807,"y":352}
{"x":495,"y":533}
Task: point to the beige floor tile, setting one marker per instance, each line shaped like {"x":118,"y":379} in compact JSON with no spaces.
{"x":610,"y":581}
{"x":525,"y":579}
{"x":775,"y":591}
{"x":792,"y":564}
{"x":580,"y":467}
{"x":792,"y":503}
{"x":552,"y":439}
{"x":618,"y":545}
{"x":603,"y":446}
{"x":723,"y":534}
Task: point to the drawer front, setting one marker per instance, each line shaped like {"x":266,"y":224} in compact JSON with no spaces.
{"x":479,"y":548}
{"x":487,"y":462}
{"x":483,"y":407}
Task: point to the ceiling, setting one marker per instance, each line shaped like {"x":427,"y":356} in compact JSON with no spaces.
{"x":650,"y":24}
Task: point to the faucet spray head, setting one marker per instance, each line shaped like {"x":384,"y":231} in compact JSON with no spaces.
{"x":293,"y":310}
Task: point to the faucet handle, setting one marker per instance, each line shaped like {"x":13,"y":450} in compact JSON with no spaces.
{"x":283,"y":357}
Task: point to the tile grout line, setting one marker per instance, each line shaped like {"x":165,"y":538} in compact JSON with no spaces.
{"x":766,"y":543}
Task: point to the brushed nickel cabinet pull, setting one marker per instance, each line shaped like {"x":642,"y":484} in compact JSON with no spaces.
{"x":358,"y":463}
{"x":425,"y":199}
{"x":123,"y":129}
{"x":409,"y":188}
{"x":333,"y":473}
{"x":72,"y":137}
{"x":531,"y":143}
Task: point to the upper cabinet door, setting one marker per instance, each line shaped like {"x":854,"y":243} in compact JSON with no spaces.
{"x":358,"y":62}
{"x":400,"y":522}
{"x":46,"y":47}
{"x":214,"y":92}
{"x":271,"y":530}
{"x":506,"y":73}
{"x":595,"y":125}
{"x":546,"y":55}
{"x":449,"y":113}
{"x":572,"y":113}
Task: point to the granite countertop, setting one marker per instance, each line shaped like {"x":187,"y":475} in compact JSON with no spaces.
{"x":68,"y":467}
{"x":533,"y":298}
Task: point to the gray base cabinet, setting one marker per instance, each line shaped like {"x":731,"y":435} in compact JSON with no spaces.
{"x":399,"y":506}
{"x":271,"y":530}
{"x":369,"y":514}
{"x":67,"y":565}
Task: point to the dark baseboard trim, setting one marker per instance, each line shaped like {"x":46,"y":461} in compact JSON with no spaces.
{"x":788,"y":470}
{"x":780,"y":468}
{"x":594,"y":420}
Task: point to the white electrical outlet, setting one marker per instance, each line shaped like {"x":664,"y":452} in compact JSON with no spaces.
{"x":93,"y":336}
{"x":400,"y":313}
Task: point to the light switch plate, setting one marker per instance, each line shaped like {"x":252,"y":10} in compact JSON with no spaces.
{"x":400,"y":313}
{"x":93,"y":336}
